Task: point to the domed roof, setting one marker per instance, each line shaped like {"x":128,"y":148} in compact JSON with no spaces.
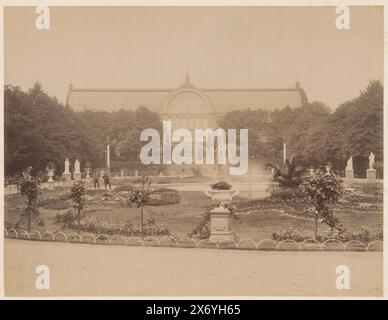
{"x":187,"y":101}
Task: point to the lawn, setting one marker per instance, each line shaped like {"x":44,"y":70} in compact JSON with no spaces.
{"x":182,"y":217}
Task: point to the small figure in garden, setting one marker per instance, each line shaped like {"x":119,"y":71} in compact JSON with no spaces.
{"x":96,"y":181}
{"x":107,"y":181}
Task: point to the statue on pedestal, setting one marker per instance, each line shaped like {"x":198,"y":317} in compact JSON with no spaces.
{"x":371,"y":172}
{"x":67,"y":166}
{"x":77,"y":170}
{"x":371,"y":160}
{"x":349,"y":165}
{"x":349,"y":172}
{"x":66,"y":174}
{"x":77,"y":166}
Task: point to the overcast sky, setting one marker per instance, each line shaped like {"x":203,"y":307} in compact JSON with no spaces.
{"x":223,"y":47}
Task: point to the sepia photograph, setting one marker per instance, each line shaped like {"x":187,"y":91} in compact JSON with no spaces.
{"x":184,"y":151}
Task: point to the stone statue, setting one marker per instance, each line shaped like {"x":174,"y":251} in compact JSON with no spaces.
{"x":50,"y":174}
{"x":371,"y":160}
{"x":77,"y":166}
{"x":67,"y":167}
{"x":349,"y":165}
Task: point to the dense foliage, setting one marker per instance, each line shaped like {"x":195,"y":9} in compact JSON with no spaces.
{"x":314,"y":135}
{"x":269,"y":129}
{"x":139,"y":196}
{"x":222,"y":185}
{"x":77,"y":195}
{"x":39,"y":132}
{"x":288,"y":174}
{"x":29,"y":186}
{"x":354,"y":129}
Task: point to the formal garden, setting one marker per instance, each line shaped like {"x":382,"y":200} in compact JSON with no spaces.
{"x":305,"y":198}
{"x":300,"y":207}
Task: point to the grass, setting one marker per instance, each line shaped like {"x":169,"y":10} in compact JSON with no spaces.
{"x":181,"y":218}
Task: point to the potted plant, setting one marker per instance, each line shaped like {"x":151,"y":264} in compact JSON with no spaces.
{"x":220,"y":217}
{"x":50,"y":171}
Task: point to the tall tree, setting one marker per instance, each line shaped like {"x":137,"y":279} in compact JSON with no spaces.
{"x":354,"y":129}
{"x":39,"y":130}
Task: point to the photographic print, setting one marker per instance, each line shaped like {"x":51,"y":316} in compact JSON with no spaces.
{"x":193,"y":151}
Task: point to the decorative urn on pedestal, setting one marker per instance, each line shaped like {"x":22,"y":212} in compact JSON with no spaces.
{"x":220,"y":217}
{"x":50,"y":175}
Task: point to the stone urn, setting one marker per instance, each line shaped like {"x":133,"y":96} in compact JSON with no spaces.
{"x":87,"y":169}
{"x":223,"y":196}
{"x":50,"y":175}
{"x":220,"y":217}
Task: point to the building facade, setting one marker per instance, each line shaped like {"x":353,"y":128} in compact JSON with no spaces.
{"x":187,"y":106}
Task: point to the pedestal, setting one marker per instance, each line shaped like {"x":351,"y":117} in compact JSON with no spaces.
{"x":220,"y":225}
{"x":66,"y":177}
{"x":77,"y":176}
{"x":50,"y":185}
{"x":349,"y":174}
{"x":371,"y":175}
{"x":12,"y":189}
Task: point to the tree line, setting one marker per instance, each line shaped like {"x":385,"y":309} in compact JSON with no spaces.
{"x":313,"y":134}
{"x":40,"y":131}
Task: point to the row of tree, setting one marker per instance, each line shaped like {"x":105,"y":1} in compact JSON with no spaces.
{"x":314,"y":135}
{"x":39,"y":132}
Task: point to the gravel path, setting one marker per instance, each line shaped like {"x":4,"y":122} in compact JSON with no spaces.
{"x":99,"y":270}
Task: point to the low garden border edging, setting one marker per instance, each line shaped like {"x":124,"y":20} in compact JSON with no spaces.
{"x":170,"y":241}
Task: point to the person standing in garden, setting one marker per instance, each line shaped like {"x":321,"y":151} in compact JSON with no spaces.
{"x":96,"y":181}
{"x":107,"y":181}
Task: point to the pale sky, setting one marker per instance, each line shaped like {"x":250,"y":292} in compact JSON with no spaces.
{"x":223,"y":47}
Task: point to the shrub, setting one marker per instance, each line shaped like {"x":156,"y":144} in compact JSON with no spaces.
{"x":55,"y":203}
{"x":203,"y":228}
{"x":287,"y":194}
{"x":139,"y":196}
{"x":289,"y":234}
{"x":29,"y":187}
{"x":288,"y":174}
{"x":323,"y":188}
{"x":77,"y":195}
{"x":363,"y":234}
{"x":67,"y":217}
{"x":123,"y":188}
{"x":97,"y":226}
{"x":221,"y":186}
{"x":163,"y":196}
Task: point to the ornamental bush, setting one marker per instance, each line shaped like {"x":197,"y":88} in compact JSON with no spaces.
{"x":323,"y":188}
{"x":163,"y":196}
{"x":139,"y":196}
{"x":364,"y":234}
{"x":29,"y":186}
{"x":98,"y":226}
{"x":77,"y":195}
{"x":221,"y":186}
